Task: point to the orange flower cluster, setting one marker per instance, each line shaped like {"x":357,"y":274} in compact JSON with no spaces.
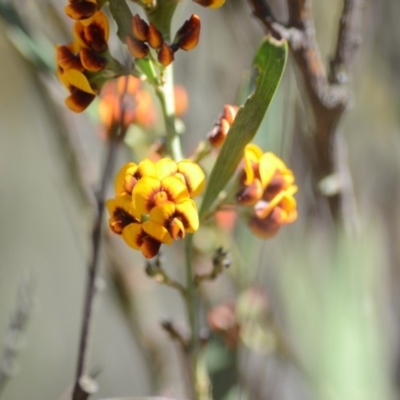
{"x":145,"y":36}
{"x":124,"y":101}
{"x":153,"y":203}
{"x":218,"y":133}
{"x":267,"y":185}
{"x":86,"y":56}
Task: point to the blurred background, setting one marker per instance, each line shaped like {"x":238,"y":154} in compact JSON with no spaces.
{"x":315,"y":316}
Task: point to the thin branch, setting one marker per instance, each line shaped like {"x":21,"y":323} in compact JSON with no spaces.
{"x":328,"y":97}
{"x":116,"y":135}
{"x":348,"y":41}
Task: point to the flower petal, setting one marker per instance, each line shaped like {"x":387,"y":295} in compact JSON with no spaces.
{"x":157,"y":232}
{"x":122,"y":213}
{"x":66,"y":59}
{"x":175,"y":189}
{"x":76,"y":79}
{"x":252,"y":155}
{"x":146,"y":168}
{"x":186,"y":211}
{"x":162,"y":214}
{"x":143,"y":193}
{"x":193,"y":176}
{"x":133,"y":235}
{"x":165,"y":167}
{"x":79,"y":100}
{"x":92,"y":61}
{"x":150,"y":247}
{"x":125,"y":180}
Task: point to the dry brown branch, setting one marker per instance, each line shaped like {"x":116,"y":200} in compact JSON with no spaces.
{"x":328,"y":94}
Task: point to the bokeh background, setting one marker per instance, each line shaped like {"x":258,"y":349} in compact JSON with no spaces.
{"x":331,"y":324}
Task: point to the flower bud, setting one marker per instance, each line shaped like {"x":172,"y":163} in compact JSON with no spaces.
{"x":140,"y":28}
{"x":79,"y":10}
{"x":137,"y":48}
{"x":154,"y":37}
{"x":187,"y":36}
{"x":165,"y":55}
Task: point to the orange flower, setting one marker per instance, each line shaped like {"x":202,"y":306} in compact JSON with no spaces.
{"x":125,"y":97}
{"x":218,"y":133}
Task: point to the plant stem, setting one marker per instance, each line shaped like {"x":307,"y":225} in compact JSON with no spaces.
{"x":192,"y":313}
{"x":165,"y":93}
{"x":93,"y":266}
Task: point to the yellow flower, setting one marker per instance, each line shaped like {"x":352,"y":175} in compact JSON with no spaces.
{"x":81,"y":93}
{"x":92,"y":33}
{"x":264,"y":175}
{"x":135,"y":237}
{"x":158,"y":194}
{"x":269,"y":217}
{"x":268,"y":185}
{"x":122,"y":213}
{"x":130,"y":174}
{"x":192,"y":175}
{"x":150,"y":192}
{"x":175,"y":218}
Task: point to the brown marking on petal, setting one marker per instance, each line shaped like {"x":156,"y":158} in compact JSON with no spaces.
{"x":140,"y":28}
{"x":267,"y":227}
{"x":137,"y":48}
{"x":188,"y":34}
{"x":92,"y":61}
{"x":175,"y":229}
{"x":154,"y":37}
{"x":165,"y":55}
{"x":66,"y":59}
{"x":79,"y":100}
{"x":276,"y":185}
{"x":95,"y":37}
{"x":185,"y":179}
{"x":121,"y":219}
{"x":150,"y":247}
{"x":249,"y":195}
{"x":81,"y":9}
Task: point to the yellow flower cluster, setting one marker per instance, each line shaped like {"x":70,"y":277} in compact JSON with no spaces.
{"x":153,"y":203}
{"x":86,"y":56}
{"x":267,"y":185}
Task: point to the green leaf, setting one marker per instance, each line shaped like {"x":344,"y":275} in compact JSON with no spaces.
{"x":122,"y":15}
{"x":269,"y":63}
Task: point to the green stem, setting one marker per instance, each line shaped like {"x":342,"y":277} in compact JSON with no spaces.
{"x":165,"y":93}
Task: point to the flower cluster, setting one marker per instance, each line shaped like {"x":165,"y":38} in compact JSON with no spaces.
{"x":154,"y":203}
{"x":145,"y":36}
{"x":267,"y":185}
{"x":221,"y":127}
{"x":79,"y":63}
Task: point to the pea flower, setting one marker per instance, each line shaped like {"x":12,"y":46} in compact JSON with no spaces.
{"x":267,"y":185}
{"x":160,"y":196}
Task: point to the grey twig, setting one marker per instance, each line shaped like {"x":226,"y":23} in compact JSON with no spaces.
{"x":117,"y":133}
{"x":17,"y":328}
{"x":328,"y":95}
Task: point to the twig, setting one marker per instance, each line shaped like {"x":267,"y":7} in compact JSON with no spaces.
{"x":116,"y":136}
{"x":17,"y":328}
{"x":328,"y":96}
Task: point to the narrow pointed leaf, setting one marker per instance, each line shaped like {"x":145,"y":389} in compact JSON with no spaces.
{"x":269,"y":63}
